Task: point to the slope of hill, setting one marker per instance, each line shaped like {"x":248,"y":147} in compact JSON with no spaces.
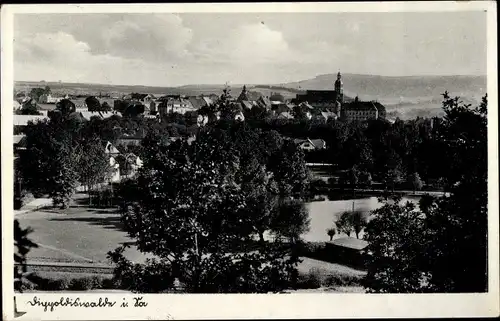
{"x":383,"y":87}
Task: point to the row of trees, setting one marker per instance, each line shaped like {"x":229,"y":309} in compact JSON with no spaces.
{"x":376,"y":147}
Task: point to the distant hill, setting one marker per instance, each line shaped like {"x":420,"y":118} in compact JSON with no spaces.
{"x":404,"y":97}
{"x":385,"y":88}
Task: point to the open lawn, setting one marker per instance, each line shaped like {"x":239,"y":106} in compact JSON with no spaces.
{"x":78,"y":234}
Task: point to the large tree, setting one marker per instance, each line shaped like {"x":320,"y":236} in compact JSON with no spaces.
{"x":442,"y":247}
{"x":93,"y":104}
{"x":93,"y":165}
{"x":200,"y":213}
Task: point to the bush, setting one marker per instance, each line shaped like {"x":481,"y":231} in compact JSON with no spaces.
{"x":311,"y":280}
{"x":56,"y":285}
{"x":342,"y":280}
{"x":86,"y":283}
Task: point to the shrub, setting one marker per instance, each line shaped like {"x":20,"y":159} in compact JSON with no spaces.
{"x":86,"y":283}
{"x":311,"y":280}
{"x":342,"y":280}
{"x":28,"y":286}
{"x":56,"y":285}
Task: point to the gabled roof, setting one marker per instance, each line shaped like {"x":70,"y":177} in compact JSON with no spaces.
{"x":17,"y":139}
{"x":306,"y":105}
{"x":246,"y":104}
{"x":318,"y":143}
{"x":350,"y":242}
{"x":208,"y":100}
{"x":363,"y":105}
{"x":285,"y":115}
{"x":101,"y":114}
{"x":265,"y":101}
{"x":197,"y":102}
{"x":110,"y":149}
{"x":328,"y":114}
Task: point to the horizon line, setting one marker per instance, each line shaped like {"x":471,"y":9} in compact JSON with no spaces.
{"x":247,"y":84}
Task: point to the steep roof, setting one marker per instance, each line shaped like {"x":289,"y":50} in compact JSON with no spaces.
{"x":208,"y":100}
{"x":350,"y":242}
{"x":110,"y":149}
{"x":197,"y":102}
{"x":328,"y":114}
{"x":285,"y":115}
{"x":361,"y":105}
{"x":265,"y":101}
{"x":101,"y":114}
{"x":17,"y":138}
{"x":277,"y":97}
{"x":246,"y":104}
{"x":318,"y":143}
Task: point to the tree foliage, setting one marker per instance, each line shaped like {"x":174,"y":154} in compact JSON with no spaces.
{"x":200,"y":208}
{"x":22,"y":245}
{"x":442,"y":247}
{"x":93,"y":104}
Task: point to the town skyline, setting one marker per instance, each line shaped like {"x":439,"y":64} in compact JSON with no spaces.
{"x":169,"y":50}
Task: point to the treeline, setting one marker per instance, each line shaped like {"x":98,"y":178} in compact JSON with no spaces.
{"x":375,"y":147}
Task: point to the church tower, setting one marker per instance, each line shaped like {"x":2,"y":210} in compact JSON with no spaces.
{"x":339,"y":88}
{"x":339,"y":93}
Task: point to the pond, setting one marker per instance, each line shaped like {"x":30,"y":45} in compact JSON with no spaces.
{"x":323,"y":214}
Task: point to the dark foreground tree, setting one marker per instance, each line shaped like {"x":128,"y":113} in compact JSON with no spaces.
{"x":23,"y":245}
{"x":190,"y":211}
{"x":442,"y":247}
{"x":93,"y":103}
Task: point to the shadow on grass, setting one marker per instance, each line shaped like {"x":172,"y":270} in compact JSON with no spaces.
{"x":108,"y":222}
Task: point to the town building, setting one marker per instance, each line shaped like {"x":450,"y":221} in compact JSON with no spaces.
{"x":310,"y":144}
{"x":363,"y":110}
{"x":324,"y":99}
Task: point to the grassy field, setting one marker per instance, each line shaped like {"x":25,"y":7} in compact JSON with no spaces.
{"x":81,"y":235}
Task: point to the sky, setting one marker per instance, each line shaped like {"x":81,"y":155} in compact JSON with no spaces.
{"x":244,"y":48}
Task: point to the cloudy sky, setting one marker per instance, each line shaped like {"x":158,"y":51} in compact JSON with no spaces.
{"x":207,"y":48}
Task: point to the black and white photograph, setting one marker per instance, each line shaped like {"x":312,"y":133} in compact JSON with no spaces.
{"x":279,"y":152}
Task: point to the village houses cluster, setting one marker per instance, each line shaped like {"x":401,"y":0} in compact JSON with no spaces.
{"x":312,"y":105}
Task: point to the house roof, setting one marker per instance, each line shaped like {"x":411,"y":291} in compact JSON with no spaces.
{"x":277,"y":97}
{"x":207,"y":100}
{"x":362,"y":105}
{"x":306,"y":104}
{"x":246,"y":104}
{"x":110,"y":149}
{"x":265,"y":101}
{"x":317,"y":143}
{"x":22,"y":120}
{"x":101,"y":114}
{"x":17,"y":139}
{"x":328,"y":114}
{"x":350,"y":242}
{"x":285,"y":115}
{"x":197,"y":102}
